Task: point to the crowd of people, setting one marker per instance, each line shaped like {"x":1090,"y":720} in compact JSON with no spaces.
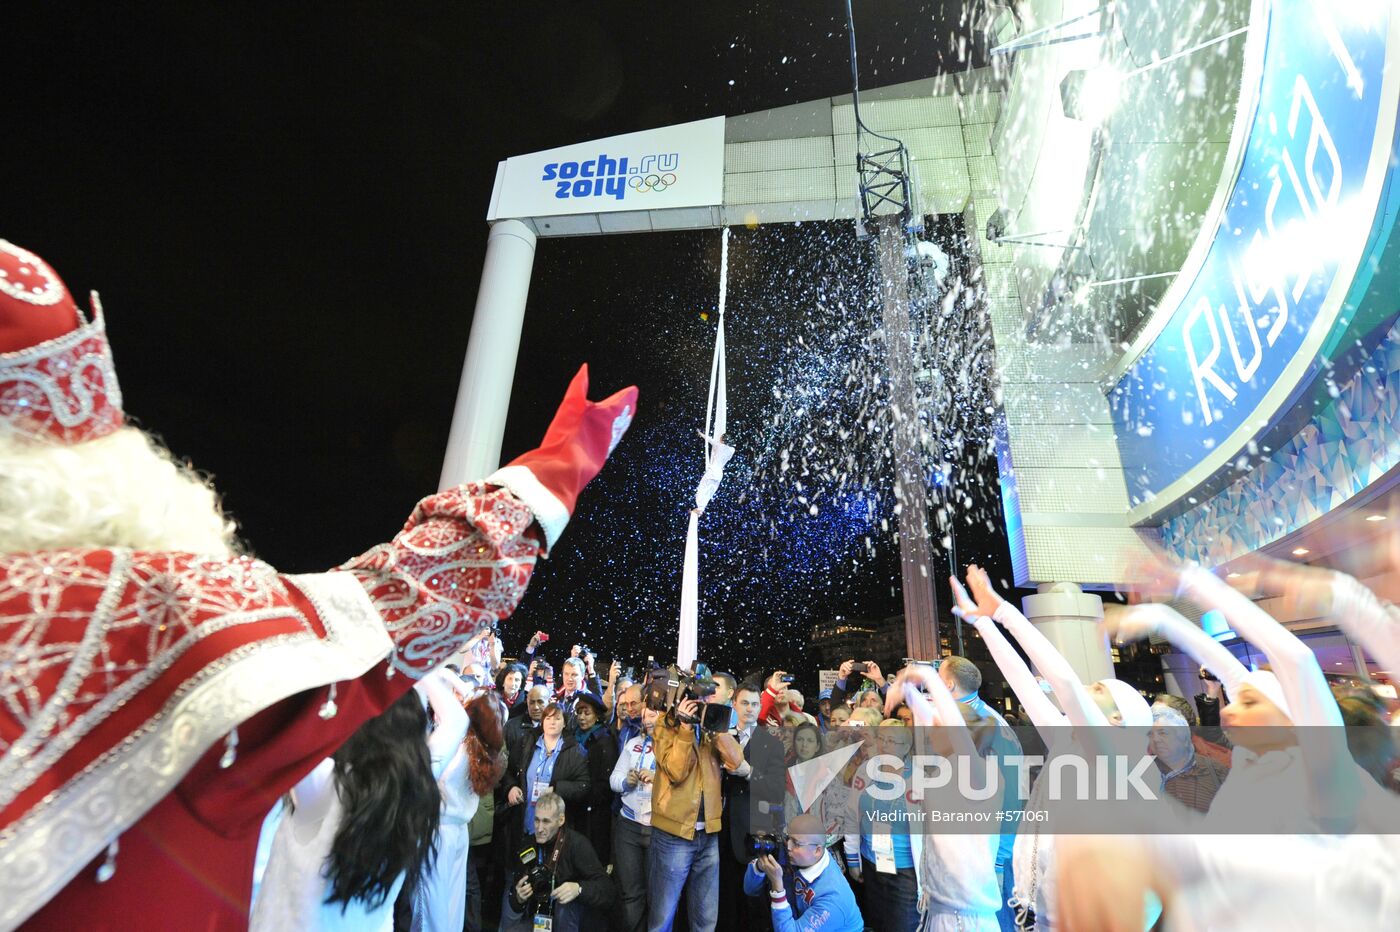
{"x":601,"y":802}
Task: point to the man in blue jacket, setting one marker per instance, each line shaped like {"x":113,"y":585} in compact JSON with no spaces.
{"x":818,"y":896}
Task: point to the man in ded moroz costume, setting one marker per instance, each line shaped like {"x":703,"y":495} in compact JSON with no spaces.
{"x":158,"y":691}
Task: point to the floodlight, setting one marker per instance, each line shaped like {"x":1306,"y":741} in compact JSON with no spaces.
{"x":1090,"y":94}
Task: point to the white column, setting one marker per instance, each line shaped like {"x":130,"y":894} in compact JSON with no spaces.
{"x":1072,"y":619}
{"x":483,"y":398}
{"x":1181,"y":676}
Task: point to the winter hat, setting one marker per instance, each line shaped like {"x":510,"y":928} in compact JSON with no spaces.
{"x":1132,"y":707}
{"x":57,"y":381}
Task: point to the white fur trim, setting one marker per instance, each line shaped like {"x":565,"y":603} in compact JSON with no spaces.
{"x":549,"y":512}
{"x":44,"y":850}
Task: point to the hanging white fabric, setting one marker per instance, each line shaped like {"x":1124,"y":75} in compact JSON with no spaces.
{"x":716,"y":453}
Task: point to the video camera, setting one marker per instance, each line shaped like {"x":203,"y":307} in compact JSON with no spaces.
{"x":668,"y":687}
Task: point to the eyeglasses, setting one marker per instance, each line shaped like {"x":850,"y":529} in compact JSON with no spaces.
{"x":794,"y":843}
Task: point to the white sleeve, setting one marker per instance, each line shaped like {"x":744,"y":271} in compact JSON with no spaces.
{"x":1039,"y":708}
{"x":1376,"y":627}
{"x":618,"y":780}
{"x":1196,"y":644}
{"x":452,"y":722}
{"x":312,"y":796}
{"x":1079,"y":706}
{"x":1309,"y":698}
{"x":1332,"y":779}
{"x":945,"y":707}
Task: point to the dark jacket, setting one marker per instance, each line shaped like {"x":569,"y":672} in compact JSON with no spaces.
{"x":569,"y":779}
{"x":596,"y":818}
{"x":517,"y":710}
{"x":766,"y":783}
{"x":577,"y":864}
{"x":516,"y":733}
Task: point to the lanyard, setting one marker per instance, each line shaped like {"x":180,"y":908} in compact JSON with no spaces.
{"x":547,"y":760}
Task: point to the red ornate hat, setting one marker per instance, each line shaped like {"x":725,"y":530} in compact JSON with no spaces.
{"x":57,"y":381}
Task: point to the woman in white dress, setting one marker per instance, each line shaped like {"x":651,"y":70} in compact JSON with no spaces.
{"x":1330,"y":857}
{"x":362,"y":821}
{"x":440,"y":901}
{"x":1088,"y":708}
{"x":957,"y":871}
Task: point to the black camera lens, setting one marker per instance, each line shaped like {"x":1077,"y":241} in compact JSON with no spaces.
{"x":769,"y":843}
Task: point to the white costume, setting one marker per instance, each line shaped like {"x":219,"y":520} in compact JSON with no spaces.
{"x":720,"y":455}
{"x":295,"y":886}
{"x":440,"y":903}
{"x":1033,"y":853}
{"x":1282,"y":881}
{"x":957,"y":871}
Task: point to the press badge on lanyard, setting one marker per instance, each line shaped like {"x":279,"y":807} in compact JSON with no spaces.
{"x":543,"y":923}
{"x":882,"y":843}
{"x":540,"y":784}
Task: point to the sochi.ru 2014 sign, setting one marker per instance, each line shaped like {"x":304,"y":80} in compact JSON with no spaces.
{"x":676,"y":166}
{"x":1240,"y":339}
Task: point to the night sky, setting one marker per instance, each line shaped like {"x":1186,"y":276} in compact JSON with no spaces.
{"x":282,"y":208}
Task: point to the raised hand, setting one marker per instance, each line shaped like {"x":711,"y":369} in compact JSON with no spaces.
{"x":979,"y":585}
{"x":962,"y":602}
{"x":1134,"y":623}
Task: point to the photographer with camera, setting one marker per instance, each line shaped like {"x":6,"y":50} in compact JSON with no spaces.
{"x":548,"y":759}
{"x":753,"y":801}
{"x":687,"y":805}
{"x":773,"y":704}
{"x":556,"y":875}
{"x":813,"y":895}
{"x":578,"y":676}
{"x":541,"y":674}
{"x":1208,"y":702}
{"x":848,"y":678}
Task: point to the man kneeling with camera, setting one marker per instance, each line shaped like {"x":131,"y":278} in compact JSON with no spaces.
{"x":558,"y":877}
{"x":815,"y":895}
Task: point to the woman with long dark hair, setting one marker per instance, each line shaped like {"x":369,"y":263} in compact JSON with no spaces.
{"x":440,"y":903}
{"x":363,"y":822}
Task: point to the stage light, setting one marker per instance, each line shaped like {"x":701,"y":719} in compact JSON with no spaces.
{"x":1301,"y":551}
{"x":1091,"y":95}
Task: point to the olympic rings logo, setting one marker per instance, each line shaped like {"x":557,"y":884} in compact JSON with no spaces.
{"x":651,"y":182}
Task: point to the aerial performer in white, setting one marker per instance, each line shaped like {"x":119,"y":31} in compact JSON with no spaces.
{"x":159,"y":691}
{"x":718,"y":453}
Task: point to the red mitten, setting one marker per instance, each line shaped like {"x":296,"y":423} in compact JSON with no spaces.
{"x":582,"y":434}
